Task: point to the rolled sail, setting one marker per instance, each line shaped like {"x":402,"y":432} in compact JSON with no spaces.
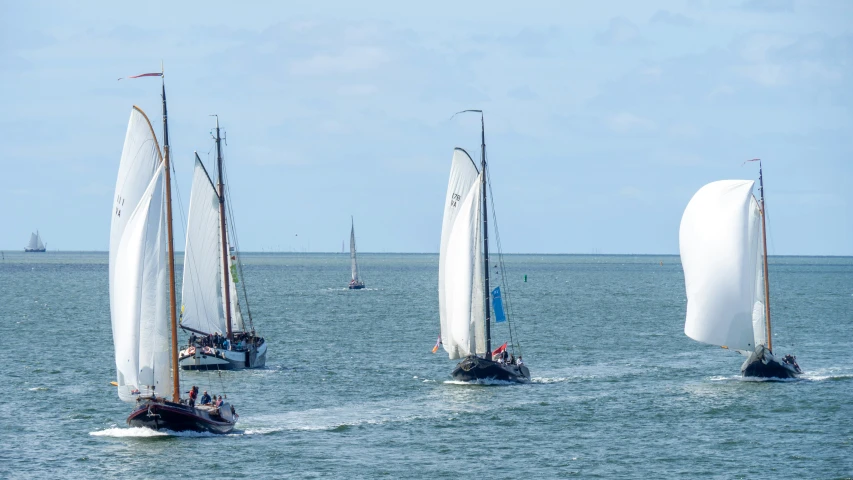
{"x":460,"y":268}
{"x":202,"y":287}
{"x":719,"y":246}
{"x":236,"y":314}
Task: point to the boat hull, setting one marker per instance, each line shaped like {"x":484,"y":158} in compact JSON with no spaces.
{"x":164,"y":415}
{"x":473,"y":368}
{"x":356,"y":286}
{"x":210,"y":358}
{"x":763,"y":364}
{"x":34,"y":250}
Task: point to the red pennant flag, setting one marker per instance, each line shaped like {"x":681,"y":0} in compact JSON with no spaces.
{"x":159,"y":74}
{"x":437,"y":343}
{"x":500,"y":350}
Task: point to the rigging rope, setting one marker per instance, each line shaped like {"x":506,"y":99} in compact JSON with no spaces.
{"x":239,"y":262}
{"x":505,"y":293}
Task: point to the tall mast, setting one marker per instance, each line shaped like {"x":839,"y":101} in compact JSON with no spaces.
{"x":766,"y":271}
{"x":176,"y":386}
{"x":352,"y":249}
{"x":226,"y":273}
{"x":486,"y":240}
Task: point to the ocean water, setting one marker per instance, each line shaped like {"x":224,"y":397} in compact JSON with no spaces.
{"x":351,"y":389}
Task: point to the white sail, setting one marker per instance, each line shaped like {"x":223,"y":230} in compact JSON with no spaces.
{"x":460,"y":269}
{"x":352,"y":254}
{"x":139,"y":296}
{"x":140,"y":161}
{"x":718,"y":240}
{"x":202,"y":295}
{"x":39,"y":244}
{"x":759,"y":327}
{"x":34,"y":242}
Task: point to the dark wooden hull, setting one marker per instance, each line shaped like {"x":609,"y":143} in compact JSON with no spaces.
{"x":473,"y":369}
{"x":762,"y":364}
{"x":177,"y":417}
{"x":356,"y":286}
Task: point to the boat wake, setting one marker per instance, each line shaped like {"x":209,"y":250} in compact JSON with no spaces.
{"x":484,"y":381}
{"x":826,"y":375}
{"x":739,"y":378}
{"x":342,"y":418}
{"x":549,"y":380}
{"x":142,"y":432}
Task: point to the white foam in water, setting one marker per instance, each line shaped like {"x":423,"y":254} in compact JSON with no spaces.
{"x":376,"y":413}
{"x":143,"y":432}
{"x":825,"y":374}
{"x":547,"y":380}
{"x":488,"y":381}
{"x":740,"y":378}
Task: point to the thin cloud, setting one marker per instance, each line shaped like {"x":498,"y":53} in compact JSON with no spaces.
{"x":628,"y":122}
{"x":675,"y":19}
{"x":621,"y":31}
{"x":351,"y":59}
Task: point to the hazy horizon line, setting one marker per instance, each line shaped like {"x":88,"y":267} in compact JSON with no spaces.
{"x":436,"y":253}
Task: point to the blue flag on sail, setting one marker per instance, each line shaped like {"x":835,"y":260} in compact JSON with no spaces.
{"x":498,"y":305}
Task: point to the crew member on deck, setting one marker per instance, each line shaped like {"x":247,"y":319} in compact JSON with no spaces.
{"x":193,"y":394}
{"x":205,"y":399}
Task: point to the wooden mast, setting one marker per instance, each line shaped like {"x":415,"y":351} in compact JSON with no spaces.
{"x":176,"y":384}
{"x":766,"y":271}
{"x":226,"y":272}
{"x":486,"y":240}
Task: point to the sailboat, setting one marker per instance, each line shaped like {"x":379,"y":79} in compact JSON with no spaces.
{"x":210,"y":307}
{"x":464,"y":293}
{"x":142,"y":289}
{"x":356,"y":282}
{"x":723,"y":246}
{"x":35,"y":244}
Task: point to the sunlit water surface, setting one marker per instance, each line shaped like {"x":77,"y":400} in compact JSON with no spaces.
{"x":352,"y":390}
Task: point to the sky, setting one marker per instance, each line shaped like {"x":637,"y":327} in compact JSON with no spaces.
{"x":602,"y":118}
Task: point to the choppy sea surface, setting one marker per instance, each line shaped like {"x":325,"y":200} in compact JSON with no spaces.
{"x":351,"y":389}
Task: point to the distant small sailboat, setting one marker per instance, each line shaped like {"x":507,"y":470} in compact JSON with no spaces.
{"x":142,"y":289}
{"x":464,"y":294}
{"x":355,"y":283}
{"x":35,"y":244}
{"x":723,"y":246}
{"x":210,"y":303}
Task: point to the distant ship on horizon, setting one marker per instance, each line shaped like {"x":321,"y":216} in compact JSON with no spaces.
{"x":35,"y":244}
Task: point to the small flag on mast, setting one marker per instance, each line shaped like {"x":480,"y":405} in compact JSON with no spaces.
{"x":498,"y":305}
{"x":437,"y":343}
{"x":499,"y":350}
{"x":158,"y":74}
